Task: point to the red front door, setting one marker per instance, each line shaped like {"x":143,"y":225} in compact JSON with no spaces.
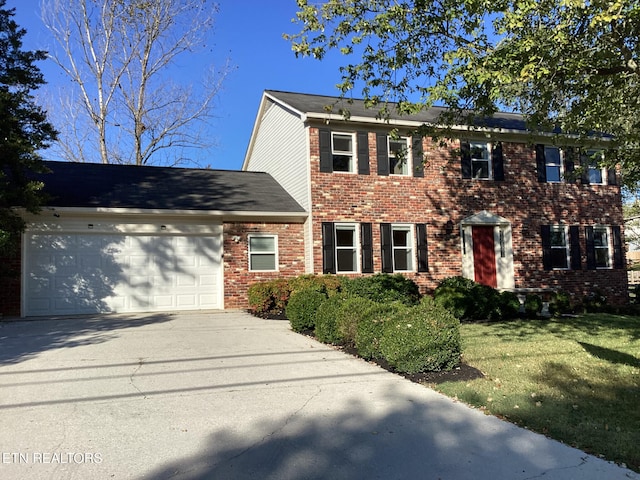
{"x":484,"y":256}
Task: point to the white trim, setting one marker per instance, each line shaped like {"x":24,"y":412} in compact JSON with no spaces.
{"x":356,"y":245}
{"x":408,"y":156}
{"x":354,"y":149}
{"x":411,"y":241}
{"x":275,"y":252}
{"x":567,"y":246}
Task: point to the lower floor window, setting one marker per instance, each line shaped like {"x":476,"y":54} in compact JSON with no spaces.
{"x":263,"y":253}
{"x":601,"y":247}
{"x":346,"y":248}
{"x":559,"y":247}
{"x":402,"y":244}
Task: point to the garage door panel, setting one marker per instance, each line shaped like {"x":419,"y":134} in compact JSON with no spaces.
{"x":89,"y":273}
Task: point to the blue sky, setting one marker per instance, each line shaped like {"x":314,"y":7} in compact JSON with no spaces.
{"x":249,"y":33}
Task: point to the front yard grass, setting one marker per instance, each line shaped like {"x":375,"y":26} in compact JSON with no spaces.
{"x":576,"y":379}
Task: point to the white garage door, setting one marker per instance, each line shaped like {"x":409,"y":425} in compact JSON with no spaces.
{"x":90,"y":273}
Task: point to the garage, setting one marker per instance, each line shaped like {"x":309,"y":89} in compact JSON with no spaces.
{"x":121,"y":268}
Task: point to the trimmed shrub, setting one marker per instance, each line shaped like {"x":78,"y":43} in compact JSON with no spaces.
{"x":532,"y":305}
{"x":326,"y":321}
{"x":560,"y":303}
{"x":594,"y":302}
{"x":509,"y":305}
{"x":457,"y":300}
{"x":352,"y":310}
{"x":485,"y":303}
{"x":330,"y":284}
{"x":383,"y":287}
{"x":423,"y":338}
{"x":268,"y":297}
{"x":302,"y":307}
{"x":468,"y":300}
{"x":371,"y":327}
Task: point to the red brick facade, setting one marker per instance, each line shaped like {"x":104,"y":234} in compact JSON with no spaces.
{"x":443,"y":195}
{"x":237,"y":276}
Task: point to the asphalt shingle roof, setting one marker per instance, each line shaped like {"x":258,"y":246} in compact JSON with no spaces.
{"x":164,"y":188}
{"x":308,"y":103}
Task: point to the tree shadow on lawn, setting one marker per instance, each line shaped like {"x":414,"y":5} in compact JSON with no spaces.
{"x":610,"y":355}
{"x":23,"y":339}
{"x":569,"y":327}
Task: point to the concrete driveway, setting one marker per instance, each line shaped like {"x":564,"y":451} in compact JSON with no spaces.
{"x":229,"y":396}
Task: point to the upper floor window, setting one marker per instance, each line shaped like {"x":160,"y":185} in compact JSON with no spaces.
{"x":342,"y":151}
{"x":399,"y":158}
{"x":482,"y":160}
{"x":593,"y":171}
{"x":263,"y":253}
{"x":553,"y":164}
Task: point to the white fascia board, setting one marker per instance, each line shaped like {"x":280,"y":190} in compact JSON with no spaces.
{"x":329,"y":117}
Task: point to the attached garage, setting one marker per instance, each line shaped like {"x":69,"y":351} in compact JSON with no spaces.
{"x":122,"y":238}
{"x":68,"y":272}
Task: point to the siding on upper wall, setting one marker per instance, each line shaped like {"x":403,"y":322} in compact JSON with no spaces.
{"x":280,"y":148}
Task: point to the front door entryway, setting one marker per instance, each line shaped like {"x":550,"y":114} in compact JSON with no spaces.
{"x":484,"y":255}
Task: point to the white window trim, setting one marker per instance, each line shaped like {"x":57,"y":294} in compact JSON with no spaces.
{"x":561,"y":154}
{"x":489,"y":146}
{"x":408,"y":156}
{"x":275,"y":253}
{"x":567,"y":246}
{"x":412,"y":245}
{"x":354,"y":149}
{"x":356,"y":246}
{"x":609,"y":247}
{"x":603,"y":171}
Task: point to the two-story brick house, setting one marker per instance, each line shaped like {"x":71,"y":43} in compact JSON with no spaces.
{"x":496,"y":203}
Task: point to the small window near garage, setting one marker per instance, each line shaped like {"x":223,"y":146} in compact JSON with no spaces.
{"x":263,"y":253}
{"x":399,"y":158}
{"x":342,"y":151}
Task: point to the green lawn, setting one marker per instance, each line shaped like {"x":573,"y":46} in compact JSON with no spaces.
{"x":574,"y":379}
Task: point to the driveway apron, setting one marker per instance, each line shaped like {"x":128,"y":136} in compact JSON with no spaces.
{"x":224,"y":395}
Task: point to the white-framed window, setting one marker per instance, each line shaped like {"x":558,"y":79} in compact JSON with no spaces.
{"x":559,"y":247}
{"x":596,"y":173}
{"x":346,"y":247}
{"x":402,"y":247}
{"x":263,"y":253}
{"x":480,"y":160}
{"x":342,"y":151}
{"x":399,"y":156}
{"x":602,"y":247}
{"x":553,"y":164}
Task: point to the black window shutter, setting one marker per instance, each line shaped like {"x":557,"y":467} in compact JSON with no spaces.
{"x":366,"y":247}
{"x":497,"y":159}
{"x":328,"y":248}
{"x":383,"y":153}
{"x":363,"y":153}
{"x":545,"y":232}
{"x":574,"y":244}
{"x":540,"y":163}
{"x":326,"y":159}
{"x":618,"y":258}
{"x":418,"y":158}
{"x":387,"y":247}
{"x":465,"y":159}
{"x":570,"y":164}
{"x":423,"y":253}
{"x":612,"y":178}
{"x":591,"y":251}
{"x":584,"y":165}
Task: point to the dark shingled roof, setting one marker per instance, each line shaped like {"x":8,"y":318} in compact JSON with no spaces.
{"x":164,"y":188}
{"x":307,"y":103}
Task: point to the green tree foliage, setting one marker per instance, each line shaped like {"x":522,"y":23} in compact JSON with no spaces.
{"x":24,"y":130}
{"x":567,"y":65}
